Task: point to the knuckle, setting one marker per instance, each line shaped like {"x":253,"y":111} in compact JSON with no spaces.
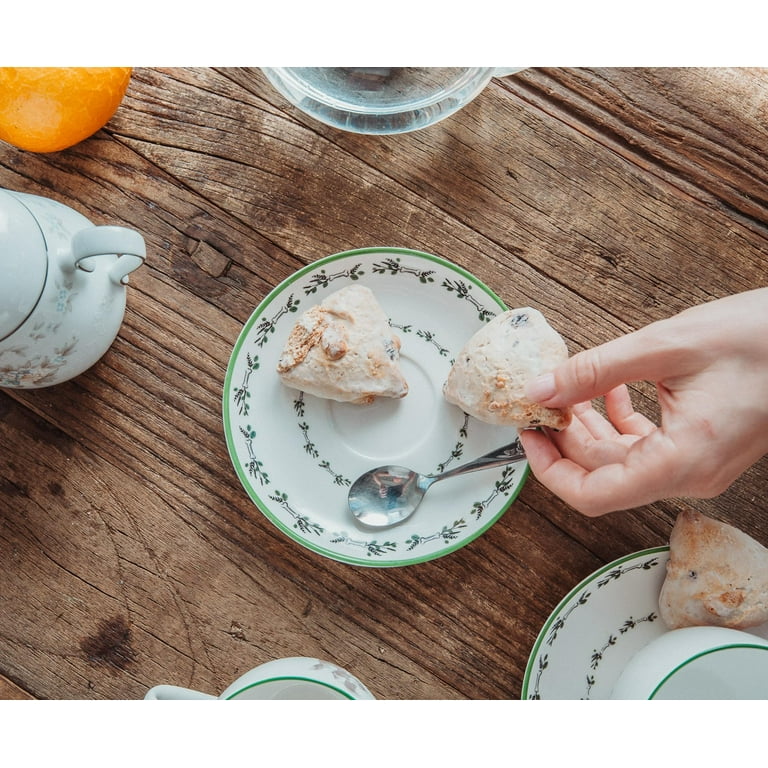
{"x":585,"y":370}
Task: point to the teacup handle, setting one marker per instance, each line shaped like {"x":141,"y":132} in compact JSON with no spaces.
{"x":174,"y":693}
{"x":126,"y":243}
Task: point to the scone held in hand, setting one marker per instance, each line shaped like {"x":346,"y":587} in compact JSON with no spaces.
{"x":488,"y":378}
{"x":344,"y":349}
{"x":716,"y":574}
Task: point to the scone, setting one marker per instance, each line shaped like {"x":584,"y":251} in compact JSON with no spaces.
{"x":716,"y":574}
{"x":488,"y":378}
{"x":344,"y":349}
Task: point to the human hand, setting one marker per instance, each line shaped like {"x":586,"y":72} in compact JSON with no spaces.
{"x":710,"y":367}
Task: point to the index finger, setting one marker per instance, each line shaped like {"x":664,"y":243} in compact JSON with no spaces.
{"x":652,"y":353}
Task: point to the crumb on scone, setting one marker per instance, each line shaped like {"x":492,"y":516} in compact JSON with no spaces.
{"x":344,"y":349}
{"x":488,"y":378}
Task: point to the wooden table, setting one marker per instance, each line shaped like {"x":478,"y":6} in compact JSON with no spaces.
{"x":131,"y":555}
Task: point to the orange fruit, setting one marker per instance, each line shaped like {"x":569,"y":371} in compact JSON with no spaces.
{"x":45,"y":109}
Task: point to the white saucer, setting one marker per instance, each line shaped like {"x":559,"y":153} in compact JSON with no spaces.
{"x":297,"y":455}
{"x":598,"y":627}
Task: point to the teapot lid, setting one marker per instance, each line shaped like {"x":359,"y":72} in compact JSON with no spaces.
{"x":23,"y":263}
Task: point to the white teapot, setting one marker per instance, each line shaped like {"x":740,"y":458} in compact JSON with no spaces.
{"x":62,"y":289}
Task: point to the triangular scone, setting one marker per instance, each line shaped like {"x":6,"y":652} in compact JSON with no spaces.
{"x":716,"y":574}
{"x":344,"y":349}
{"x":488,"y":378}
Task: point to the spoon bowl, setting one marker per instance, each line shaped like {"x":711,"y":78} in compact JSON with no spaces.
{"x":388,"y":495}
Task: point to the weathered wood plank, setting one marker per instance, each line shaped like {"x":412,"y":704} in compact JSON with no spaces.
{"x":9,"y":691}
{"x":131,"y":555}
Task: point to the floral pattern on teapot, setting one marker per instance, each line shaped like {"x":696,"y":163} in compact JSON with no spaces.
{"x":81,"y":307}
{"x":35,"y":371}
{"x":30,"y":368}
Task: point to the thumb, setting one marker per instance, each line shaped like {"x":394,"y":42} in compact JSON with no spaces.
{"x":645,"y":355}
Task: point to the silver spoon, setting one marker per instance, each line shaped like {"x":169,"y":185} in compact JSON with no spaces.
{"x":388,"y":495}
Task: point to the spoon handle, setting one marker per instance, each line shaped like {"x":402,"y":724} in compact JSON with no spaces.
{"x":505,"y":455}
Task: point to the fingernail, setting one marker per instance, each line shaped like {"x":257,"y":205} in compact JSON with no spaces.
{"x":541,"y":388}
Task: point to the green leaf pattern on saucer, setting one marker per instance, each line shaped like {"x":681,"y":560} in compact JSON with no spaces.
{"x":409,"y":283}
{"x":597,"y":628}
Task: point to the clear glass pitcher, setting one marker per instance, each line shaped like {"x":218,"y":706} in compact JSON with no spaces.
{"x":381,"y":100}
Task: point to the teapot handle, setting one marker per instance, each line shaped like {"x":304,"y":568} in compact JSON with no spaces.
{"x":97,"y":241}
{"x":174,"y":692}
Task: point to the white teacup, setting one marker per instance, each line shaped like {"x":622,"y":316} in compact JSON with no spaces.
{"x":293,"y":678}
{"x":697,"y":663}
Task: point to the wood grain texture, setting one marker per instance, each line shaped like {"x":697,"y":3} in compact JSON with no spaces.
{"x":131,"y":556}
{"x":9,"y":691}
